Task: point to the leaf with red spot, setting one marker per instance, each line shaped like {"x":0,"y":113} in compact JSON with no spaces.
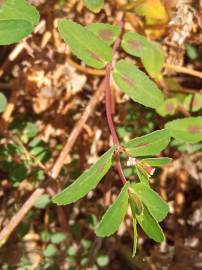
{"x":107,"y":32}
{"x":188,"y":129}
{"x":168,"y":107}
{"x":84,"y":44}
{"x":150,"y":144}
{"x":151,"y":54}
{"x":137,"y":85}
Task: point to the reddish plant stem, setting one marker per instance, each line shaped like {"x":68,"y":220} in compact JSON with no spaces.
{"x":109,"y":116}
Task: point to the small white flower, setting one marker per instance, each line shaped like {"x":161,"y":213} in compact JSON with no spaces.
{"x":131,"y":161}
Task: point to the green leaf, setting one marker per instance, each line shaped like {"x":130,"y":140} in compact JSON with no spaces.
{"x":58,"y":237}
{"x":150,"y":226}
{"x":84,"y":44}
{"x":17,"y":20}
{"x":157,"y":162}
{"x":29,"y":130}
{"x":137,"y":85}
{"x":115,"y":214}
{"x":50,"y":251}
{"x":153,"y":59}
{"x":193,"y":103}
{"x":168,"y":107}
{"x":150,"y":144}
{"x":107,"y":32}
{"x":103,"y":260}
{"x":42,"y":201}
{"x":134,"y":237}
{"x":18,"y":172}
{"x":3,"y":100}
{"x":45,"y":236}
{"x":72,"y":251}
{"x":155,"y":204}
{"x":87,"y":181}
{"x":150,"y":53}
{"x":192,"y":52}
{"x":94,"y":5}
{"x":188,"y":129}
{"x":135,"y":203}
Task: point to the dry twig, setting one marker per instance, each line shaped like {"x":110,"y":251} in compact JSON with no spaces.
{"x":16,"y":219}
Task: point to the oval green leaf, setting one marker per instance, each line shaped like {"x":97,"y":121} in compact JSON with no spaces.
{"x":17,"y":20}
{"x":3,"y":102}
{"x":157,"y":162}
{"x":151,"y":54}
{"x":87,"y":181}
{"x":137,"y":85}
{"x":168,"y":107}
{"x":115,"y":214}
{"x":188,"y":129}
{"x":155,"y":204}
{"x":84,"y":44}
{"x":150,"y":226}
{"x":94,"y":5}
{"x":150,"y":144}
{"x":107,"y":32}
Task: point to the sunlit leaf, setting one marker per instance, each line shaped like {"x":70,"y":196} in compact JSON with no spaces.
{"x":94,"y":5}
{"x":3,"y":102}
{"x":168,"y":107}
{"x":150,"y":53}
{"x":17,"y":20}
{"x":188,"y":129}
{"x":115,"y":214}
{"x":84,"y":44}
{"x":87,"y":181}
{"x":137,"y":85}
{"x":193,"y":103}
{"x":150,"y":144}
{"x":107,"y":32}
{"x":157,"y":162}
{"x":155,"y":204}
{"x":150,"y":226}
{"x":152,"y":9}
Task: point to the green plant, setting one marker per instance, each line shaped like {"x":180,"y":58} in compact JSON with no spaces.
{"x":92,"y":45}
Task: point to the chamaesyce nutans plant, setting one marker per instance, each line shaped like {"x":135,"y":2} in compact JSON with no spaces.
{"x":96,"y":45}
